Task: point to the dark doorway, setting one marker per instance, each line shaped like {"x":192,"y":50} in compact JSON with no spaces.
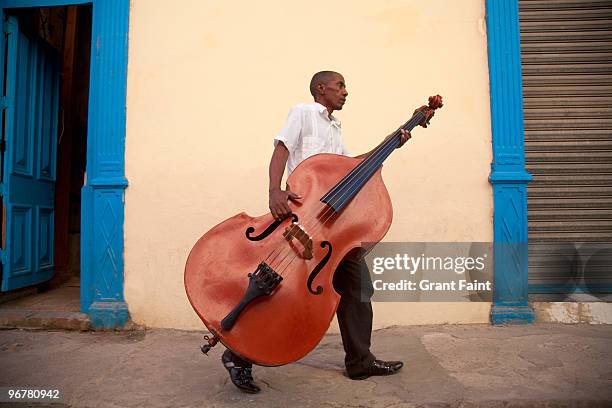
{"x":67,"y":31}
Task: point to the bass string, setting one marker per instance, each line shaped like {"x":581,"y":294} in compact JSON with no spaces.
{"x":383,"y":146}
{"x":379,"y":151}
{"x":270,"y":258}
{"x":311,"y":216}
{"x":330,"y":213}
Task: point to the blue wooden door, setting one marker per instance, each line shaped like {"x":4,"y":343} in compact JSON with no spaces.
{"x":28,"y":186}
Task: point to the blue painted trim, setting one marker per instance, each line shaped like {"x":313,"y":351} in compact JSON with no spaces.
{"x":102,"y":202}
{"x":108,"y":315}
{"x":508,"y":175}
{"x":103,"y":194}
{"x":40,"y":3}
{"x":119,"y":182}
{"x":512,"y":314}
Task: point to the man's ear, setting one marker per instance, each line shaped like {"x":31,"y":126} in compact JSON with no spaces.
{"x":321,"y":89}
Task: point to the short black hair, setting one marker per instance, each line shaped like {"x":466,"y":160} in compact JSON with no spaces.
{"x":321,"y":76}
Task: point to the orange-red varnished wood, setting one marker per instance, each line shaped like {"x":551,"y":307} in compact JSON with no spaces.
{"x":284,"y":327}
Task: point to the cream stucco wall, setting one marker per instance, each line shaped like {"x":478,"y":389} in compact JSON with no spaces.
{"x":210,"y":83}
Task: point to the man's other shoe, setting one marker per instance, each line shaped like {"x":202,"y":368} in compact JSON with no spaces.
{"x":242,"y":377}
{"x":378,"y":367}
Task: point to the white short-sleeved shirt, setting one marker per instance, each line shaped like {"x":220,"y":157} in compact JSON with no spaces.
{"x":310,"y":130}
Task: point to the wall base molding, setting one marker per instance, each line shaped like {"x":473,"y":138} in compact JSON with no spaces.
{"x":512,"y":315}
{"x":108,"y":315}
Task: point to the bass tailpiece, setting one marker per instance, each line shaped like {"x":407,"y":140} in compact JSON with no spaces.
{"x":261,"y":282}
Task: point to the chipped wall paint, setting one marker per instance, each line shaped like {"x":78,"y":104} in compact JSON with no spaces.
{"x":573,"y":312}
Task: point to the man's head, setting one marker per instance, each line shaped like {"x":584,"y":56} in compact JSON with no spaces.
{"x":328,"y":88}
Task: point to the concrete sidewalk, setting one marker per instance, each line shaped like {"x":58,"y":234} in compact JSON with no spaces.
{"x":455,"y":366}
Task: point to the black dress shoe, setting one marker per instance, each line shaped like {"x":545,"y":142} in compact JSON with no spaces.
{"x":242,"y":377}
{"x":378,"y":367}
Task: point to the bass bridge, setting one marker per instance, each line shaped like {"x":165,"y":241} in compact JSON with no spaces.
{"x":296,"y":231}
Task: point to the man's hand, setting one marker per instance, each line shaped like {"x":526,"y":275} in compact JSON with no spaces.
{"x":405,"y":137}
{"x":278,"y":202}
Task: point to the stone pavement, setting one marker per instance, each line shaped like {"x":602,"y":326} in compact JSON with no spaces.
{"x":446,"y":366}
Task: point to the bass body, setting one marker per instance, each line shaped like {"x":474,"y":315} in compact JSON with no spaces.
{"x":282,"y":328}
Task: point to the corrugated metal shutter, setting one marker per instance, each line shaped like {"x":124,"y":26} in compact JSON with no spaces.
{"x":566,"y":53}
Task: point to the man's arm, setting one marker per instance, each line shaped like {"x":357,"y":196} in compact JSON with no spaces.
{"x":278,"y":197}
{"x":405,"y":137}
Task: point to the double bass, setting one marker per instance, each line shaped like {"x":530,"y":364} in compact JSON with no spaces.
{"x":263,"y":287}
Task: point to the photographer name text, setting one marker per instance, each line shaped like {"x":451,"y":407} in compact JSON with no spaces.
{"x":427,"y":285}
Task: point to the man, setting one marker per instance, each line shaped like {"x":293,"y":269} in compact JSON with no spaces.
{"x":310,"y":129}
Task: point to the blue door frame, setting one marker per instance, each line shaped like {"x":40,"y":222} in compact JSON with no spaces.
{"x":508,"y":175}
{"x":102,"y":196}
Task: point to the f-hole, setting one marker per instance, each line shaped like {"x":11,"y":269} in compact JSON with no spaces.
{"x":267,"y":231}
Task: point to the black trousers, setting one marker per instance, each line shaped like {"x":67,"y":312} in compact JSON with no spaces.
{"x":352,"y":281}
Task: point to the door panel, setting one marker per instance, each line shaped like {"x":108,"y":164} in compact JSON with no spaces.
{"x":45,"y":239}
{"x":21,"y":227}
{"x":30,"y":130}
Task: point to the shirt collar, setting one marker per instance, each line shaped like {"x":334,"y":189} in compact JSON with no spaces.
{"x":323,"y":110}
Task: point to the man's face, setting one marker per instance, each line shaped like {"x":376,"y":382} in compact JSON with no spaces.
{"x":335,"y":92}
